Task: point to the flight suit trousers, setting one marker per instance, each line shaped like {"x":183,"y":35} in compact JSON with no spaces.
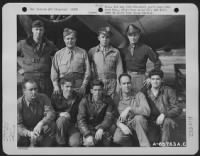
{"x":66,"y":133}
{"x":45,"y":139}
{"x":137,"y":124}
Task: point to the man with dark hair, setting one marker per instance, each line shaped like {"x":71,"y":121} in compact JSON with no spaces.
{"x":133,"y":112}
{"x":71,"y":60}
{"x":35,"y":117}
{"x":95,"y":117}
{"x":34,"y":57}
{"x":135,"y":57}
{"x":163,"y":103}
{"x":106,"y":63}
{"x":66,"y":107}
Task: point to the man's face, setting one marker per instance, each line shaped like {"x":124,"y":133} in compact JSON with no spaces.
{"x":125,"y":84}
{"x":104,"y":40}
{"x":97,"y":92}
{"x":30,"y":91}
{"x":38,"y":32}
{"x":156,"y":81}
{"x":133,"y":38}
{"x":67,"y":88}
{"x":70,"y":40}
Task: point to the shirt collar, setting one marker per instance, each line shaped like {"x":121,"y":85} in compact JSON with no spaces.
{"x":132,"y":96}
{"x":99,"y":48}
{"x":31,"y":42}
{"x":136,"y":45}
{"x":91,"y":100}
{"x":161,"y":91}
{"x":73,"y":97}
{"x":69,"y":50}
{"x":29,"y":102}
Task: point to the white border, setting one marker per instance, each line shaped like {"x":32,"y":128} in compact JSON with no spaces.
{"x":9,"y":29}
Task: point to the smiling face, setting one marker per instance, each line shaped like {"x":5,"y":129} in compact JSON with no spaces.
{"x":30,"y":91}
{"x":156,"y":81}
{"x":104,"y":40}
{"x":70,"y":40}
{"x":38,"y":32}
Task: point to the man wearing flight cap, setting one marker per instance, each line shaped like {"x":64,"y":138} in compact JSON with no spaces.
{"x":106,"y":63}
{"x":72,"y":61}
{"x":34,"y":57}
{"x":135,"y":57}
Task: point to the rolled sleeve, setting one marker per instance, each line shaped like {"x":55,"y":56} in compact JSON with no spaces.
{"x":119,"y":68}
{"x":21,"y":129}
{"x":55,"y":70}
{"x":87,"y":70}
{"x":91,"y":61}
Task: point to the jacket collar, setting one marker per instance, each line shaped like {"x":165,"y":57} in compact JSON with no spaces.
{"x":104,"y":101}
{"x":136,"y":45}
{"x":70,"y":50}
{"x":160,"y":92}
{"x":132,"y":95}
{"x":74,"y":97}
{"x":31,"y":42}
{"x":27,"y":103}
{"x":98,"y":48}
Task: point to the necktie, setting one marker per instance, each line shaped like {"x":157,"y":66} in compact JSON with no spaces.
{"x":71,"y":56}
{"x":132,"y":49}
{"x":31,"y":105}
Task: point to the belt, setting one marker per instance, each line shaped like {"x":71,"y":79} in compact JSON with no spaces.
{"x":35,"y":60}
{"x":73,"y":75}
{"x":107,"y":76}
{"x":39,"y":74}
{"x":136,"y":73}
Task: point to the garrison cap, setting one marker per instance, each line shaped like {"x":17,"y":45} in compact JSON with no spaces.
{"x":105,"y":30}
{"x":131,"y":29}
{"x":68,"y":31}
{"x":37,"y":23}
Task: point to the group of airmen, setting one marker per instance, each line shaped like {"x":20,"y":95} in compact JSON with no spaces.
{"x":103,"y":97}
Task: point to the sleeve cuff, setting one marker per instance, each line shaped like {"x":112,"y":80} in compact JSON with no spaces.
{"x":87,"y":134}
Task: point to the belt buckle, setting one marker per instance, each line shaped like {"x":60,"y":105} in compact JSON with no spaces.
{"x":131,"y":72}
{"x":35,"y":60}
